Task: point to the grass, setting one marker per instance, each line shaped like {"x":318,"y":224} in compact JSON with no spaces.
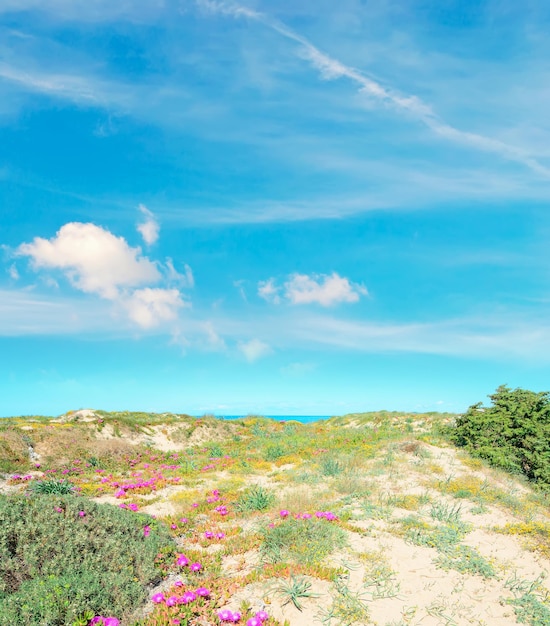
{"x":301,"y":541}
{"x":294,"y":590}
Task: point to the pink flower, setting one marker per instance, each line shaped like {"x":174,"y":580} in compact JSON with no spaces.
{"x":220,"y":535}
{"x":184,"y":520}
{"x":202,"y":592}
{"x":195,"y":505}
{"x":225,"y":615}
{"x":146,"y":531}
{"x":158,"y":598}
{"x":236,"y":616}
{"x":253,"y":621}
{"x":195,"y":567}
{"x":182,"y":560}
{"x":82,"y":514}
{"x":111,"y":621}
{"x":209,"y":534}
{"x":173,"y":526}
{"x":178,"y":583}
{"x":262,"y":616}
{"x":189,"y":596}
{"x":284,"y":513}
{"x":59,"y":509}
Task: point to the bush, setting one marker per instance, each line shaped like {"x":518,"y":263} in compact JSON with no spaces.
{"x":62,"y":555}
{"x":52,"y":486}
{"x":306,"y":541}
{"x":513,"y":433}
{"x":255,"y":499}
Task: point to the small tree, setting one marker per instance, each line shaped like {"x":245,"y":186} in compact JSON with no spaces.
{"x":513,"y":433}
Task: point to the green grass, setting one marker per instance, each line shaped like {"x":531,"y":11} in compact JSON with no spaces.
{"x":303,"y":541}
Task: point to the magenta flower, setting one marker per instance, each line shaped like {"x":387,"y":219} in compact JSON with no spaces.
{"x":254,"y":621}
{"x":202,"y":592}
{"x":195,"y":567}
{"x":284,"y":513}
{"x":182,"y":560}
{"x":111,"y":621}
{"x":82,"y":513}
{"x":225,"y":615}
{"x":178,"y":583}
{"x":189,"y":596}
{"x":171,"y":601}
{"x":158,"y":598}
{"x":220,"y":535}
{"x":173,"y":526}
{"x":262,"y":616}
{"x":59,"y":509}
{"x":236,"y":616}
{"x":184,"y":520}
{"x":209,"y":534}
{"x":146,"y":531}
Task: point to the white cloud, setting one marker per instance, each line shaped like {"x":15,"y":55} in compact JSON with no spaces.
{"x":268,"y":290}
{"x":149,"y":307}
{"x":94,"y":260}
{"x":184,"y":280}
{"x":254,"y":349}
{"x":149,"y":229}
{"x":12,"y":271}
{"x":322,"y":289}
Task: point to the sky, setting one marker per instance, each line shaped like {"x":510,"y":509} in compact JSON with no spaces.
{"x":285,"y":208}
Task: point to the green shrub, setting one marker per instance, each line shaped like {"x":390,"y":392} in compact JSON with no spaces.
{"x":52,"y":486}
{"x":274,"y":452}
{"x":305,"y":541}
{"x":56,"y":563}
{"x":513,"y":433}
{"x":255,"y":499}
{"x":331,"y":467}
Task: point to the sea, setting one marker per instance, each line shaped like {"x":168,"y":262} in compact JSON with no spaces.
{"x":304,"y":419}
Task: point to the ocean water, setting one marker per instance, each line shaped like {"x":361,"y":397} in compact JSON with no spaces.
{"x":304,"y":419}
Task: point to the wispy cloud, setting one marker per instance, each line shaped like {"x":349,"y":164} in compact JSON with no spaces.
{"x":254,"y":349}
{"x":149,"y":228}
{"x":331,"y":68}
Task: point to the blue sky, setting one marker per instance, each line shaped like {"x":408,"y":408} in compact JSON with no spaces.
{"x":285,"y":207}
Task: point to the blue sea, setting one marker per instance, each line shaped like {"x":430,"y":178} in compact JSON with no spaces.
{"x":304,"y":419}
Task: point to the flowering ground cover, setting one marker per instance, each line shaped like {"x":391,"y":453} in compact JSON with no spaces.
{"x":162,"y":519}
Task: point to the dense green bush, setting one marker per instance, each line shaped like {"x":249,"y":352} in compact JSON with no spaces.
{"x":62,"y":555}
{"x":513,"y":433}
